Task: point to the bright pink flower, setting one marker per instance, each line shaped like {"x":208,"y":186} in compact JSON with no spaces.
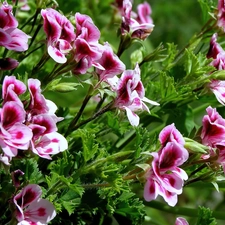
{"x":181,"y":221}
{"x":30,"y":208}
{"x":131,"y":95}
{"x":60,"y":34}
{"x":11,"y":89}
{"x":87,"y":50}
{"x":13,"y":133}
{"x":221,"y":14}
{"x":139,"y":26}
{"x":110,"y":62}
{"x":218,"y":89}
{"x":8,"y":64}
{"x":217,"y":53}
{"x":213,"y":128}
{"x":165,"y":178}
{"x":12,"y":38}
{"x":171,"y":134}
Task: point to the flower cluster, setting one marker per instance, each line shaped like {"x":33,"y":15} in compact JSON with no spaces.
{"x":139,"y":25}
{"x":213,"y":135}
{"x":29,"y":124}
{"x":31,"y":208}
{"x":165,"y":178}
{"x":131,"y":95}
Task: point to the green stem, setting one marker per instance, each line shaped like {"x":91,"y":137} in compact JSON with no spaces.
{"x":181,"y":210}
{"x":54,"y":188}
{"x":77,"y":117}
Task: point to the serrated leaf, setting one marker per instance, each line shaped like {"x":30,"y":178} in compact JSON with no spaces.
{"x":205,"y":217}
{"x":90,"y":147}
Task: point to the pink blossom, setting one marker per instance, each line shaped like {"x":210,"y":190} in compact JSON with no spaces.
{"x":131,"y":95}
{"x":110,"y":62}
{"x":171,"y":134}
{"x":8,"y":64}
{"x":218,"y":54}
{"x":11,"y":89}
{"x":181,"y":221}
{"x":60,"y":34}
{"x":138,"y":25}
{"x":87,"y":50}
{"x":13,"y":133}
{"x":221,"y":14}
{"x":213,"y":128}
{"x":12,"y":38}
{"x":15,"y":177}
{"x":166,"y":178}
{"x":31,"y":208}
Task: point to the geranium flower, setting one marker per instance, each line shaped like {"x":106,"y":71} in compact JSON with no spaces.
{"x":165,"y":178}
{"x":13,"y":133}
{"x":221,"y":14}
{"x":12,"y":38}
{"x":213,"y":128}
{"x":8,"y":64}
{"x":31,"y":208}
{"x":131,"y":95}
{"x":60,"y":34}
{"x":110,"y":62}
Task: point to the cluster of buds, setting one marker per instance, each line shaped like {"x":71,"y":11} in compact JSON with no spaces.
{"x":29,"y":124}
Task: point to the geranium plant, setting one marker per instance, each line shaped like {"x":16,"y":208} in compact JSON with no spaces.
{"x":101,"y":125}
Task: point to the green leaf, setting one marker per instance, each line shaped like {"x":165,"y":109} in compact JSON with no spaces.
{"x":171,"y":53}
{"x":90,"y":147}
{"x":205,"y":217}
{"x":206,"y":6}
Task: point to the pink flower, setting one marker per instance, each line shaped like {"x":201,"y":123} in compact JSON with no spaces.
{"x":60,"y":34}
{"x":165,"y":178}
{"x":181,"y":221}
{"x":13,"y":133}
{"x":131,"y":95}
{"x":110,"y":62}
{"x":87,"y":50}
{"x":213,"y":128}
{"x":221,"y":14}
{"x":12,"y":38}
{"x":11,"y":89}
{"x":30,"y":208}
{"x":218,"y":89}
{"x":15,"y":177}
{"x":139,"y":26}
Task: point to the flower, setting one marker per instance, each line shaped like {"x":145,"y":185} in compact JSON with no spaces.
{"x":218,"y":54}
{"x":181,"y":221}
{"x":138,"y":25}
{"x":60,"y":34}
{"x":221,"y":14}
{"x":165,"y":178}
{"x":31,"y":208}
{"x":110,"y":62}
{"x":131,"y":95}
{"x":213,"y":128}
{"x":12,"y":38}
{"x":87,"y":50}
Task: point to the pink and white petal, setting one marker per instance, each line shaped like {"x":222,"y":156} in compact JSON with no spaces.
{"x":149,"y":101}
{"x":150,"y":190}
{"x":64,"y":46}
{"x":172,"y":182}
{"x":180,"y":172}
{"x":20,"y":134}
{"x":58,"y":140}
{"x":5,"y":159}
{"x":41,"y":211}
{"x":181,"y":221}
{"x":5,"y":38}
{"x":12,"y":113}
{"x":8,"y":150}
{"x":169,"y":197}
{"x":171,"y":134}
{"x":56,"y":55}
{"x":29,"y":194}
{"x":132,"y":117}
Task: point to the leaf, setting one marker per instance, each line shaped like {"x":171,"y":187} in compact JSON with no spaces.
{"x":206,"y":7}
{"x":171,"y":53}
{"x":205,"y":217}
{"x":90,"y":148}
